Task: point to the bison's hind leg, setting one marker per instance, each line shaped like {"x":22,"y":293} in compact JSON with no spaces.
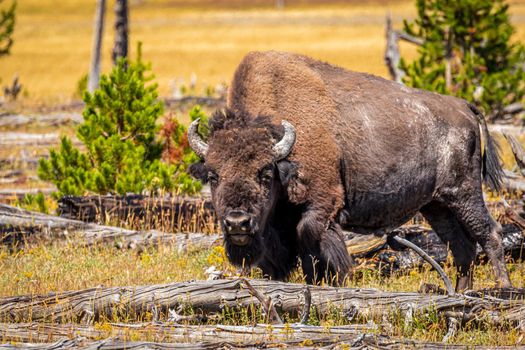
{"x":472,"y":214}
{"x":452,"y":233}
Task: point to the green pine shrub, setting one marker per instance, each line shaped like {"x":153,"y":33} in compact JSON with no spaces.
{"x":121,"y":153}
{"x":475,"y":38}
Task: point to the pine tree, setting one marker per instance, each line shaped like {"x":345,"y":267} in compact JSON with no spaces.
{"x":122,"y":154}
{"x":467,"y":52}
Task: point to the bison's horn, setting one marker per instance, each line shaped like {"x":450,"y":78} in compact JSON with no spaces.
{"x":284,"y":147}
{"x":194,"y":139}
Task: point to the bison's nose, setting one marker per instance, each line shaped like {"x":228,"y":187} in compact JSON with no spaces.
{"x":237,"y":222}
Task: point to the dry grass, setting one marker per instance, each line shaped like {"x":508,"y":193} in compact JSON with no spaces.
{"x":42,"y":269}
{"x":53,"y":41}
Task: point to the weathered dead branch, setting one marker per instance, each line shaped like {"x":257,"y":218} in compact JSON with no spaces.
{"x":18,"y":225}
{"x":427,"y":258}
{"x":214,"y":296}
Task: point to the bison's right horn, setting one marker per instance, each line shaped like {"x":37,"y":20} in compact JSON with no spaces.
{"x":194,"y":139}
{"x":284,"y":147}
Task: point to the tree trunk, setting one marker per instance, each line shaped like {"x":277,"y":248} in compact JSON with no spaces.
{"x":94,"y":73}
{"x":120,"y":49}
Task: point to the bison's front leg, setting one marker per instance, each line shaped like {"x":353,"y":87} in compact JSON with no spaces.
{"x":322,"y":250}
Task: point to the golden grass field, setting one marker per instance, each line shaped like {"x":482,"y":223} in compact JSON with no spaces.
{"x":53,"y":39}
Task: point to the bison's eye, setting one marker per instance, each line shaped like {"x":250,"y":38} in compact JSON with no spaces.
{"x":266,"y":175}
{"x":213,"y":178}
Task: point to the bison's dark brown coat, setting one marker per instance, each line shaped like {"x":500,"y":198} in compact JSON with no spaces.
{"x":369,"y":154}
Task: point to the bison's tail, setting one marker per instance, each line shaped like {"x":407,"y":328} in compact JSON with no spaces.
{"x":491,"y":166}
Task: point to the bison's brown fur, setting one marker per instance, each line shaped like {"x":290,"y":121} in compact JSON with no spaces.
{"x":369,"y":154}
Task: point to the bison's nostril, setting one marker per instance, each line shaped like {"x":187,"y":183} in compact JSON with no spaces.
{"x":237,"y":221}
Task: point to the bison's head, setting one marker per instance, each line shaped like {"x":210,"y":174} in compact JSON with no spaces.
{"x":244,"y":162}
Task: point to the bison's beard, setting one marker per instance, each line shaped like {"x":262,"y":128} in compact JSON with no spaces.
{"x":245,"y":256}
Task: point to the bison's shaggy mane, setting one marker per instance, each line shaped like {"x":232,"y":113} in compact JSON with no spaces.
{"x":227,"y":119}
{"x":253,"y":134}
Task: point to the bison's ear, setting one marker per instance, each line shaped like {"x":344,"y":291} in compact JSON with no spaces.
{"x":199,"y":171}
{"x":286,"y":171}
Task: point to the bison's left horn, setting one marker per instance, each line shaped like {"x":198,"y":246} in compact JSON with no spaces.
{"x":194,"y":139}
{"x":284,"y":147}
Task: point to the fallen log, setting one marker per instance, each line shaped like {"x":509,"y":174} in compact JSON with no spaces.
{"x":513,"y":182}
{"x":508,"y":129}
{"x":23,"y":226}
{"x":132,"y":302}
{"x":15,"y":138}
{"x":54,"y":119}
{"x":172,"y":332}
{"x":215,"y":337}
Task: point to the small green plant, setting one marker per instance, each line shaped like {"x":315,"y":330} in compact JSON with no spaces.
{"x":468,"y":52}
{"x":122,"y":154}
{"x":81,"y":86}
{"x":36,"y":202}
{"x":7,"y":27}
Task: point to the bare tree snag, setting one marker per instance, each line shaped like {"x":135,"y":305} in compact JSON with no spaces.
{"x":392,"y":55}
{"x":94,"y":73}
{"x":213,"y":296}
{"x":120,"y":48}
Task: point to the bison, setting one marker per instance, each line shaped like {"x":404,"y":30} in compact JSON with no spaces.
{"x":305,"y":149}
